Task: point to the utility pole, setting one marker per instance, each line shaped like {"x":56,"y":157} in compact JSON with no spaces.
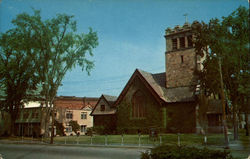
{"x":224,"y":120}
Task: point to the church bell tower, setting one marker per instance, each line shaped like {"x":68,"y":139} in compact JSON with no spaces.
{"x":180,"y":57}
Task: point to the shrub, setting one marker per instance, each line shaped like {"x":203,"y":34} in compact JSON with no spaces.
{"x":89,"y":131}
{"x":75,"y":126}
{"x":180,"y":152}
{"x":145,"y":155}
{"x":99,"y":130}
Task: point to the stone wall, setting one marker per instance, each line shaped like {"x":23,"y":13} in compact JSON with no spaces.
{"x":108,"y":122}
{"x":154,"y":115}
{"x":180,"y":67}
{"x":181,"y":117}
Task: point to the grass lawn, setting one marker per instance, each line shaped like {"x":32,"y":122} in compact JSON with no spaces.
{"x":185,"y":139}
{"x":214,"y":141}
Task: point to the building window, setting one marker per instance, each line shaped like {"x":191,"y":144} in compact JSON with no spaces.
{"x":138,"y":105}
{"x":83,"y":128}
{"x":182,"y":59}
{"x":25,"y":115}
{"x":182,"y":42}
{"x":190,"y":41}
{"x":102,"y":107}
{"x":174,"y":44}
{"x":34,"y":115}
{"x":83,"y":115}
{"x":69,"y":115}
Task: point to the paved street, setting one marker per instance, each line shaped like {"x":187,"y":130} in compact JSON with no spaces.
{"x":26,"y":151}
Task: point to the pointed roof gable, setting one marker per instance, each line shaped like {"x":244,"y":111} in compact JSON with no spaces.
{"x":156,"y":85}
{"x":156,"y":82}
{"x":110,"y":100}
{"x":153,"y":82}
{"x":87,"y":108}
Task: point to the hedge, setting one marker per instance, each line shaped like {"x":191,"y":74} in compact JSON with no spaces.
{"x":184,"y":152}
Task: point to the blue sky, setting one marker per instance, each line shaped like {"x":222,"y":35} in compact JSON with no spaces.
{"x":130,"y":32}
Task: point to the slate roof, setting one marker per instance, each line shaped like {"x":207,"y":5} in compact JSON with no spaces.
{"x":169,"y":95}
{"x":106,"y":112}
{"x":110,"y":99}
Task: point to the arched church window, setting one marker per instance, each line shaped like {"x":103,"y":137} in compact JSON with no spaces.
{"x":138,"y":105}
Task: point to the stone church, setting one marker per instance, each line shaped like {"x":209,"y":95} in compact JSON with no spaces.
{"x":165,"y":101}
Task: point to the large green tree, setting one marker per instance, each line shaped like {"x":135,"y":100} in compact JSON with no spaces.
{"x":56,"y":48}
{"x":225,"y":43}
{"x":18,"y":76}
{"x":59,"y":49}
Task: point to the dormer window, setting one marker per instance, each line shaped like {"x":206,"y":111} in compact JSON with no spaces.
{"x":182,"y":59}
{"x":182,"y":42}
{"x":174,"y":44}
{"x":34,"y":115}
{"x":102,"y":107}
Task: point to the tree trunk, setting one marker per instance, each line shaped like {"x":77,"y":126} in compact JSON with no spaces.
{"x":52,"y":124}
{"x":235,"y":120}
{"x":246,"y":117}
{"x":47,"y":121}
{"x":12,"y":123}
{"x":13,"y":116}
{"x":10,"y":109}
{"x":224,"y":119}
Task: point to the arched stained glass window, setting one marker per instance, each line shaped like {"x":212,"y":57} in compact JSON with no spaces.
{"x":138,"y":105}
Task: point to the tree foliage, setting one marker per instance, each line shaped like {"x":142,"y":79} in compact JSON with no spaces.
{"x":18,"y":75}
{"x":75,"y":126}
{"x":226,"y":41}
{"x":38,"y":53}
{"x":59,"y":128}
